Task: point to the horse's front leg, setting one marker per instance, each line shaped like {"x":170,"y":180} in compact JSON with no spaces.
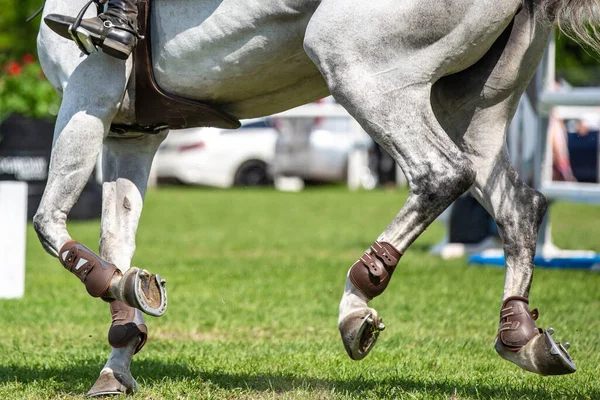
{"x":126,"y":166}
{"x":92,"y":97}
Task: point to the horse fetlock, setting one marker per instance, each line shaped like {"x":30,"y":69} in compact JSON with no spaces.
{"x":360,"y":331}
{"x":127,"y":326}
{"x":370,"y":275}
{"x":372,"y":272}
{"x":137,"y":287}
{"x":521,"y":342}
{"x":541,"y":355}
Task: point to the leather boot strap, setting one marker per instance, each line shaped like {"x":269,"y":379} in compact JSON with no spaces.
{"x":371,"y":274}
{"x":517,"y":323}
{"x":127,"y":324}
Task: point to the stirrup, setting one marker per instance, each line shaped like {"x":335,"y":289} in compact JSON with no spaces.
{"x":82,"y":37}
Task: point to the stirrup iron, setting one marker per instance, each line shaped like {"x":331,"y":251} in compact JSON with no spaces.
{"x":81,"y":36}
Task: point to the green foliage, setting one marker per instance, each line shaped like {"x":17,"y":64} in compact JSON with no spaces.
{"x":578,"y":65}
{"x":23,"y":87}
{"x":18,"y":37}
{"x":24,"y":90}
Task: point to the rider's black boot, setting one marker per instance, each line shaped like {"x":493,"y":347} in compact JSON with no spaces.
{"x":115,"y":31}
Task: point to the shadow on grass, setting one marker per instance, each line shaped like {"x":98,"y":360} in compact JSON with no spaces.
{"x":158,"y":374}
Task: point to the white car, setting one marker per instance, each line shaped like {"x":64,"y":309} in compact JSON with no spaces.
{"x":317,"y":151}
{"x":218,"y":157}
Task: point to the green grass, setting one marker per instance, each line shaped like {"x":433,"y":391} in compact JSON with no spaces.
{"x":254,"y":280}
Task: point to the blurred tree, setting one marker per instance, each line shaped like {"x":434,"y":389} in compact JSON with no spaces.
{"x":23,"y":87}
{"x":579,"y":66}
{"x":17,"y":37}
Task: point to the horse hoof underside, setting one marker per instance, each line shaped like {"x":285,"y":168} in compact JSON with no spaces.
{"x":144,"y":291}
{"x":110,"y":383}
{"x":360,"y":330}
{"x":541,"y":355}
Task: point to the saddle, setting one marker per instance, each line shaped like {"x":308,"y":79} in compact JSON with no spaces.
{"x":155,"y":109}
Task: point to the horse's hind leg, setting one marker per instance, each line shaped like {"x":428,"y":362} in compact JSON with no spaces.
{"x":437,"y":174}
{"x":126,"y":166}
{"x":475,"y":107}
{"x":518,"y":211}
{"x":384,"y":81}
{"x":91,"y":99}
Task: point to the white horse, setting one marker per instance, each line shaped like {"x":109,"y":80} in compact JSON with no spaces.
{"x":434,"y":82}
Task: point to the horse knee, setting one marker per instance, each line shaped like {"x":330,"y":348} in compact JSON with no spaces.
{"x":461,"y":178}
{"x":48,"y":230}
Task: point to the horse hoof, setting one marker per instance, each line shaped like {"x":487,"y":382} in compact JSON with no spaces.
{"x":541,"y":355}
{"x":360,"y":331}
{"x":145,"y":291}
{"x":111,"y":383}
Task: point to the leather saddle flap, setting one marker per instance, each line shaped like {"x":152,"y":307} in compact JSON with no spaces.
{"x":155,"y":108}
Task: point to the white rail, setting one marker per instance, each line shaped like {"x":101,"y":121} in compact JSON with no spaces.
{"x":13,"y":225}
{"x":582,"y":97}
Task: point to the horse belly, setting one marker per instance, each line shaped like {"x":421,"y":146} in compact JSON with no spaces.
{"x":245,"y":56}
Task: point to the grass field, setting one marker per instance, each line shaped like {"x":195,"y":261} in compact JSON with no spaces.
{"x":254,"y":280}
